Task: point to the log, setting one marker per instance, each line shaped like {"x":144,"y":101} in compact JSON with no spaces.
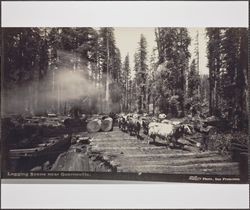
{"x":52,"y":115}
{"x":191,"y":149}
{"x":107,"y":124}
{"x":94,"y":125}
{"x":37,"y":168}
{"x":183,"y":142}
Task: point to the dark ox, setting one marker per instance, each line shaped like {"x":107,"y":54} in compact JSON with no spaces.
{"x":134,"y":126}
{"x":122,"y":123}
{"x":145,"y":127}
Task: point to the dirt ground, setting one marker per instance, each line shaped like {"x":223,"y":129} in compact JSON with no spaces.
{"x":118,"y":151}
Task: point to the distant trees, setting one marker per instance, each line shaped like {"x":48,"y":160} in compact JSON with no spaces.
{"x":204,"y":89}
{"x":235,"y":74}
{"x":228,"y":71}
{"x":125,"y":79}
{"x":34,"y":56}
{"x":25,"y":61}
{"x":151,"y":82}
{"x":141,"y":68}
{"x":214,"y":65}
{"x":166,"y":82}
{"x":193,"y":80}
{"x":172,"y":45}
{"x":110,"y":66}
{"x":116,"y":84}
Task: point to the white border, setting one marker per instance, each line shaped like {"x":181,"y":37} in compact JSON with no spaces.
{"x":133,"y":196}
{"x":125,"y":14}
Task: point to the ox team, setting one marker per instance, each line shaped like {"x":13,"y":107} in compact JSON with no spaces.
{"x":153,"y":127}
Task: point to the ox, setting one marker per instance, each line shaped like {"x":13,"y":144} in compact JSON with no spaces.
{"x":134,"y":126}
{"x":167,"y":131}
{"x":122,"y":123}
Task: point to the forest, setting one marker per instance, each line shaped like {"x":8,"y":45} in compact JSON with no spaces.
{"x":73,"y":91}
{"x":51,"y":70}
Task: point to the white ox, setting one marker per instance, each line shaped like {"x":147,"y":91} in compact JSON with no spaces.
{"x":161,"y":130}
{"x":167,"y":131}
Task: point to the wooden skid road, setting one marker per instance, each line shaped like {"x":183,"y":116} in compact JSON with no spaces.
{"x":128,"y":154}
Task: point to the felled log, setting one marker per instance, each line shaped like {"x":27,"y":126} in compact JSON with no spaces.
{"x":37,"y":168}
{"x":83,"y":140}
{"x":191,"y":148}
{"x":184,"y":141}
{"x":107,"y":124}
{"x":94,"y":125}
{"x":52,"y":115}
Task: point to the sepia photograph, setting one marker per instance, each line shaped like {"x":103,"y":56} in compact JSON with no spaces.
{"x":158,"y":104}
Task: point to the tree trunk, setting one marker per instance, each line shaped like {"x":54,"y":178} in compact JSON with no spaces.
{"x":210,"y":94}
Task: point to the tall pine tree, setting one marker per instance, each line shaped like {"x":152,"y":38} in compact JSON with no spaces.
{"x":141,"y":74}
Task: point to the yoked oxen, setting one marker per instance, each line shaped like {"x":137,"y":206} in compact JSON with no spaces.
{"x":167,"y":131}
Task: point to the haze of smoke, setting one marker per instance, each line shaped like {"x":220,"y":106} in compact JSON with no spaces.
{"x":67,"y":84}
{"x":74,"y":85}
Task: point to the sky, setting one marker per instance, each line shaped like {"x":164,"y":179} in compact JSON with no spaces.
{"x":127,"y":41}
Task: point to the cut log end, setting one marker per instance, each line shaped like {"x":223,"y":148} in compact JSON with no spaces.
{"x":94,"y":125}
{"x":107,"y":124}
